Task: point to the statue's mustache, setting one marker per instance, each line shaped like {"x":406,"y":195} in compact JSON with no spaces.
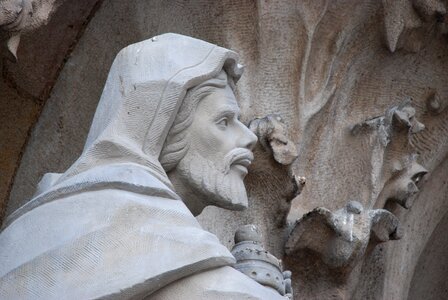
{"x":241,"y":156}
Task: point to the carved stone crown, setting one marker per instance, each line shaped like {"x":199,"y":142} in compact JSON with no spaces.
{"x":254,"y":261}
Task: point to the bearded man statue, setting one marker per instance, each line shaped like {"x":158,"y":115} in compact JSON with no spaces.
{"x":165,"y":142}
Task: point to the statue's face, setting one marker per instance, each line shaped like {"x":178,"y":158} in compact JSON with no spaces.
{"x":219,"y":153}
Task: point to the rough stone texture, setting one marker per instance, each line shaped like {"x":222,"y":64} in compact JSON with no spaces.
{"x":16,"y":114}
{"x":324,"y":66}
{"x":43,"y":52}
{"x":343,"y":235}
{"x":430,"y":274}
{"x":113,"y":217}
{"x":389,"y":270}
{"x":20,"y":16}
{"x":26,"y":85}
{"x":257,"y":263}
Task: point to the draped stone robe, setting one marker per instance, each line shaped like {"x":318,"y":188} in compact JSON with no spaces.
{"x":112,"y":225}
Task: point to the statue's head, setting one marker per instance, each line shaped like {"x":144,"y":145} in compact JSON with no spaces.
{"x":208,"y":149}
{"x":168,"y":108}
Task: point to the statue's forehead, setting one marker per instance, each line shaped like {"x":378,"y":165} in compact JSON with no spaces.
{"x":220,"y":100}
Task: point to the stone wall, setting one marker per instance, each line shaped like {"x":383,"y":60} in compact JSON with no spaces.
{"x":327,"y":67}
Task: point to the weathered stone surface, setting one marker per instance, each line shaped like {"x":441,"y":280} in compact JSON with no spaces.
{"x":389,"y":270}
{"x":21,"y":16}
{"x":165,"y":142}
{"x":257,"y":263}
{"x":17,"y":115}
{"x":324,"y":66}
{"x":44,"y":51}
{"x":273,"y":136}
{"x":26,"y":85}
{"x":430,"y":273}
{"x":340,"y":239}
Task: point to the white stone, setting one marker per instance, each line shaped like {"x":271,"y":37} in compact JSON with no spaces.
{"x":113,"y":225}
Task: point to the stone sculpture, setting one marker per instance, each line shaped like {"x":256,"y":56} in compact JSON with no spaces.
{"x":113,"y":225}
{"x":340,"y":238}
{"x":273,"y":138}
{"x":21,"y":16}
{"x":254,"y":261}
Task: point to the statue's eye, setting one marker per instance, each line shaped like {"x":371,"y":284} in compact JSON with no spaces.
{"x":417,"y":177}
{"x":223,"y":122}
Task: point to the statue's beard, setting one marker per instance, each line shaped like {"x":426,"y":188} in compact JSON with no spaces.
{"x":215,"y":182}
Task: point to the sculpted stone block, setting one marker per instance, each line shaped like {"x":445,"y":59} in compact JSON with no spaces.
{"x":403,"y":185}
{"x":254,"y":261}
{"x":278,"y":151}
{"x":393,"y":151}
{"x":21,"y":16}
{"x":272,"y":135}
{"x":323,"y":66}
{"x":340,"y":238}
{"x":436,"y":104}
{"x":408,"y":21}
{"x":165,"y":142}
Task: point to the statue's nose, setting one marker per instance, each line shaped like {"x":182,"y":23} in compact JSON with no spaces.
{"x":247,"y":139}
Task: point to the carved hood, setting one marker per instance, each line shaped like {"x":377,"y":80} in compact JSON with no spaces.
{"x":143,"y":92}
{"x":111,"y":225}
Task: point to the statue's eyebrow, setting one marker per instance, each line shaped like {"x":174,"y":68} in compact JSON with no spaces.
{"x":226,"y":110}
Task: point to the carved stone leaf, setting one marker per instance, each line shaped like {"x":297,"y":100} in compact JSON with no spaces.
{"x":18,"y":17}
{"x":398,"y":16}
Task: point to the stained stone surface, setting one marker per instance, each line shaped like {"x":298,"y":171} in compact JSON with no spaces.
{"x":323,"y":66}
{"x":26,"y":85}
{"x":122,"y":215}
{"x":17,"y":115}
{"x":429,"y":280}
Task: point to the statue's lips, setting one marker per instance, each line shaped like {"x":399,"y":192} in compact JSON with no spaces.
{"x":242,"y":162}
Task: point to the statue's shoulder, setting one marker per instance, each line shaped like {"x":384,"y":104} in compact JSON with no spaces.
{"x":124,"y":224}
{"x":119,"y":177}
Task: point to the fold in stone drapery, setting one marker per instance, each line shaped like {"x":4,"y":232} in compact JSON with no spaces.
{"x":143,"y":92}
{"x":105,"y":239}
{"x":111,"y":225}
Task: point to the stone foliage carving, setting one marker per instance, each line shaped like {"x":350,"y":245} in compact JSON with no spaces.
{"x":436,"y":104}
{"x":407,"y":22}
{"x":403,"y":185}
{"x":253,"y":260}
{"x":21,"y":16}
{"x":272,"y":135}
{"x":400,"y":174}
{"x":276,"y":146}
{"x":340,"y":238}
